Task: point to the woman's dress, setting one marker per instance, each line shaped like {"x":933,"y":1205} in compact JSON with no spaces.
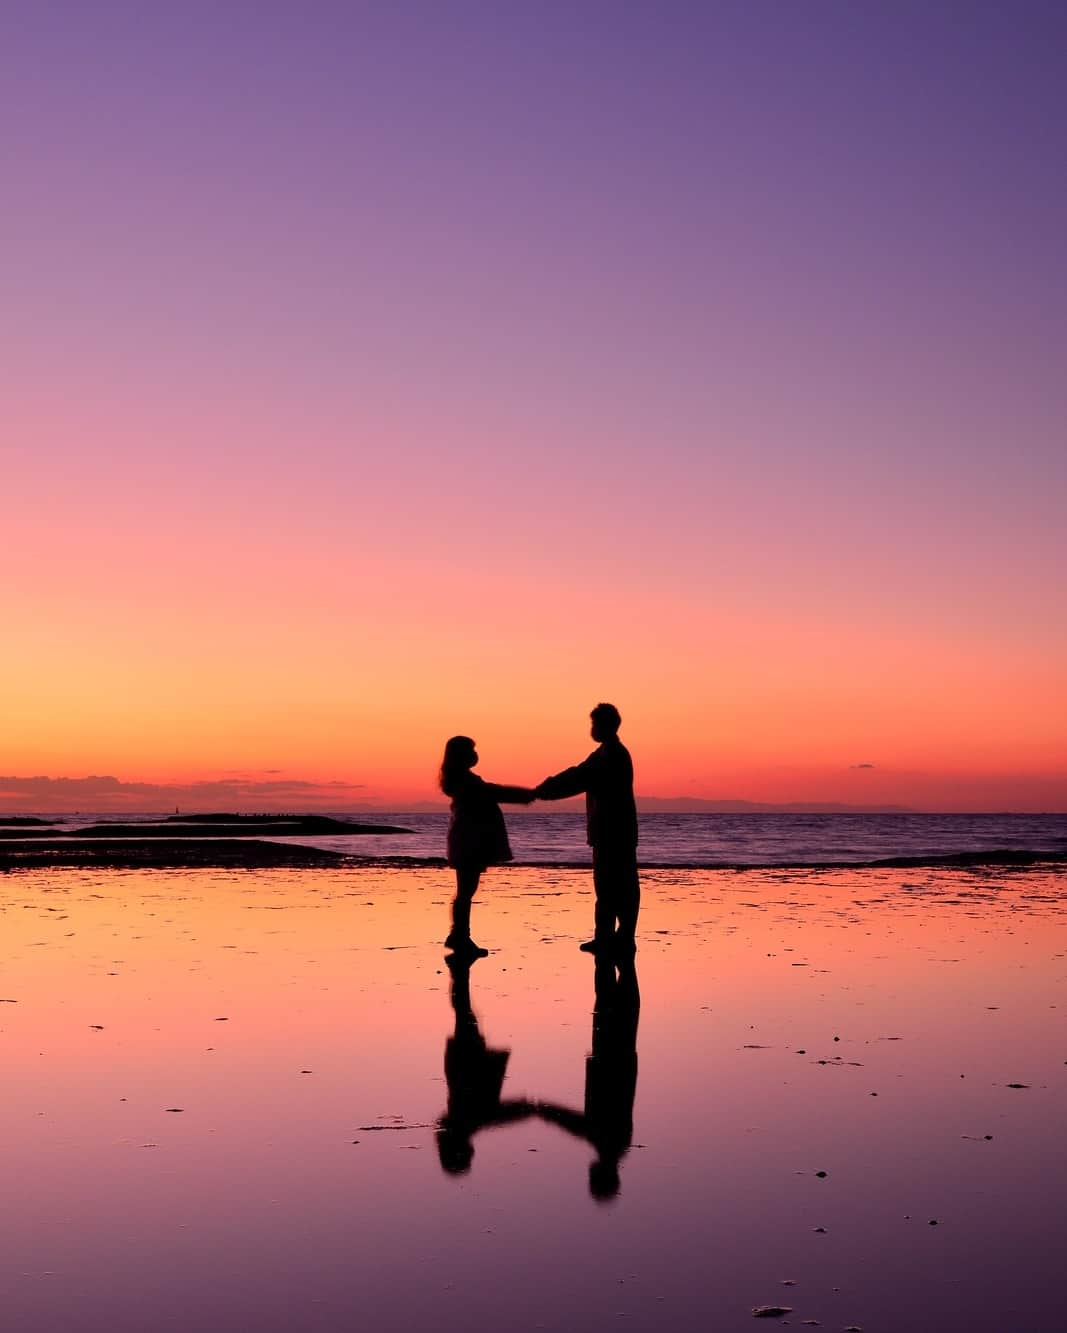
{"x":477,"y":836}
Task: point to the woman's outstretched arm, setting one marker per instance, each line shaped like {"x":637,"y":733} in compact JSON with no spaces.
{"x":510,"y":795}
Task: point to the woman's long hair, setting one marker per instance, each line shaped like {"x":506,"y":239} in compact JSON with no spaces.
{"x":458,"y":760}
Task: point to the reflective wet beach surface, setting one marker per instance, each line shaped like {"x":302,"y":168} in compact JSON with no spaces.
{"x":262,"y":1100}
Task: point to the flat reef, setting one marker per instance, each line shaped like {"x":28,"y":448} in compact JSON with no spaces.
{"x":237,"y":826}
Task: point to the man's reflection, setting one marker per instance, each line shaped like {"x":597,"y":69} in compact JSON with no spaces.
{"x":475,"y":1077}
{"x":610,"y":1078}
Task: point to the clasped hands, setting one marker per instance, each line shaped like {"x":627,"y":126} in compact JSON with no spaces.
{"x":539,"y":793}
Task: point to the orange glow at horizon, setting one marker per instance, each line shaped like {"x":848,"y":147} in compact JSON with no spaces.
{"x":297,"y":661}
{"x":361,"y":683}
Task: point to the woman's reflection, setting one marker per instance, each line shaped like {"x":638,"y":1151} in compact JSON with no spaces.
{"x":475,"y":1077}
{"x":610,"y":1078}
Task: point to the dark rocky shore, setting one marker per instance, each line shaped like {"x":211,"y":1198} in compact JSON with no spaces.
{"x":179,"y":841}
{"x":206,"y":826}
{"x":238,"y":826}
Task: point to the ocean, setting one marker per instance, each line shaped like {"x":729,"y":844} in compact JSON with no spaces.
{"x":710,"y":840}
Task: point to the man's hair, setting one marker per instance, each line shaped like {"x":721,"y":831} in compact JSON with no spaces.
{"x":609,"y":715}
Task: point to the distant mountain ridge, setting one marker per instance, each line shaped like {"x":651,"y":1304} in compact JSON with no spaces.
{"x":698,"y":806}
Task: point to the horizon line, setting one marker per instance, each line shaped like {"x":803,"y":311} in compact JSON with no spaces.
{"x":662,"y":805}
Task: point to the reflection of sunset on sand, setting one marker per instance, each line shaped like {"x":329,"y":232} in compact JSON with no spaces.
{"x":866,"y":1024}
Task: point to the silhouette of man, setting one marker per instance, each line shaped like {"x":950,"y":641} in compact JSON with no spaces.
{"x":607,"y":778}
{"x":474,"y":1072}
{"x":607,"y":1122}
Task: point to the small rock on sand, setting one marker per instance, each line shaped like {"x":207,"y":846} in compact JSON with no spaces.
{"x":771,"y":1311}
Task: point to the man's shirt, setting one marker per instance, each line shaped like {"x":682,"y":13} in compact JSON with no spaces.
{"x":607,"y":778}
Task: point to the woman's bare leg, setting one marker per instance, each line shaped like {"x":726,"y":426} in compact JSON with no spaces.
{"x":466,"y":887}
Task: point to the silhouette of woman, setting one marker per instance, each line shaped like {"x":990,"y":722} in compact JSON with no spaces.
{"x":477,"y":837}
{"x":475,"y":1074}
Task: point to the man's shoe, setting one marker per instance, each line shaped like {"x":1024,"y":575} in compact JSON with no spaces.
{"x":595,"y":946}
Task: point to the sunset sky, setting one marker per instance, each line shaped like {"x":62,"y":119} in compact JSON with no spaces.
{"x":375,"y":372}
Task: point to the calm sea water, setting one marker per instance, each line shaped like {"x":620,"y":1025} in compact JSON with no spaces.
{"x":754,"y":840}
{"x":558,"y":838}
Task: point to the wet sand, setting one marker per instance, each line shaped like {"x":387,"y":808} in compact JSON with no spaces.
{"x":224,"y":1088}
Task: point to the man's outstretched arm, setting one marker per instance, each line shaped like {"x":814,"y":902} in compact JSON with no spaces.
{"x":571,"y":782}
{"x":572,"y":1121}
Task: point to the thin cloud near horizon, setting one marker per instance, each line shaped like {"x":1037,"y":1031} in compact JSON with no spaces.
{"x":102,"y":791}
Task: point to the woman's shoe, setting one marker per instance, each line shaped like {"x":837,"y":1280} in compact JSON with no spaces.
{"x":465,"y":947}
